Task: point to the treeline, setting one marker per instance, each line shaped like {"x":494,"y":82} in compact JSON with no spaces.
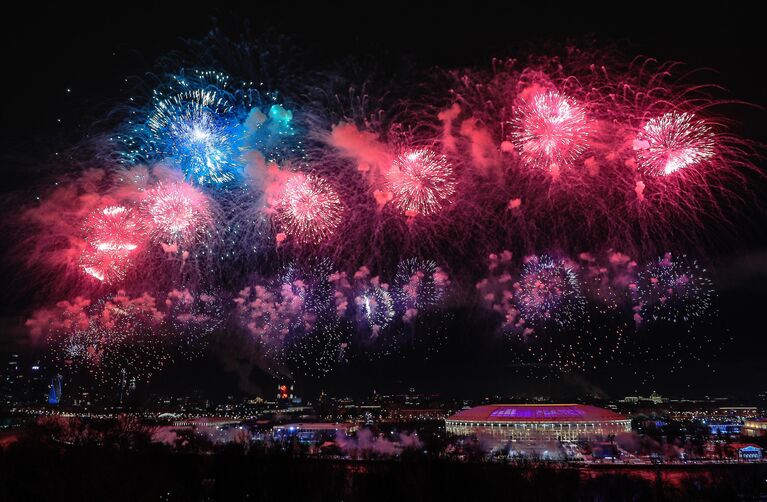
{"x":56,"y":459}
{"x":37,"y":471}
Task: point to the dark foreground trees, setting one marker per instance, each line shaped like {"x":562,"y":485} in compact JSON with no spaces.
{"x":127,"y":468}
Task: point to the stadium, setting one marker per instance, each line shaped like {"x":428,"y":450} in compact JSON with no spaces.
{"x":564,"y":422}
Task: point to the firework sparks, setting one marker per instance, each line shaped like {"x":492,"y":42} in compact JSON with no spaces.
{"x":121,"y":336}
{"x":549,"y":291}
{"x":673,"y":142}
{"x":421,"y":182}
{"x":309,"y":209}
{"x":373,"y":305}
{"x":178,"y":213}
{"x":113,"y":236}
{"x":673,"y":290}
{"x":376,"y":307}
{"x":419,"y":284}
{"x":198,"y":134}
{"x":550,"y":131}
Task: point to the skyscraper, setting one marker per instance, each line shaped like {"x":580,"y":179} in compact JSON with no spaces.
{"x":54,"y":396}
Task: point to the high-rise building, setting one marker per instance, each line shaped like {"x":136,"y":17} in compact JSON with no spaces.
{"x":22,"y":381}
{"x":54,"y":395}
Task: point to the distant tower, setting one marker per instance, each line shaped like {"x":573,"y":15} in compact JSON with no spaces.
{"x":284,"y":392}
{"x":54,"y":395}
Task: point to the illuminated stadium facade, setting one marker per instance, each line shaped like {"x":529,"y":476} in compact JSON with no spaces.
{"x":564,"y":422}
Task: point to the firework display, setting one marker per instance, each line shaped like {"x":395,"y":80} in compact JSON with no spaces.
{"x":318,"y":227}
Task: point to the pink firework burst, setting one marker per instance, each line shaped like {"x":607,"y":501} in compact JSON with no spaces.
{"x":177,"y":213}
{"x":113,"y":237}
{"x":309,"y":209}
{"x":550,"y":131}
{"x":421,"y":182}
{"x":672,"y":142}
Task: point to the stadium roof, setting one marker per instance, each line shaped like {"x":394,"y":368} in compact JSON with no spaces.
{"x":536,"y":413}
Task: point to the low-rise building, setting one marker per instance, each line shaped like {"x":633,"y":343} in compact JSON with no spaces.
{"x":564,"y":422}
{"x":755,"y":427}
{"x":311,"y":432}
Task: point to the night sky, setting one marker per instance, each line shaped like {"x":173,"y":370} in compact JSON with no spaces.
{"x":64,"y":70}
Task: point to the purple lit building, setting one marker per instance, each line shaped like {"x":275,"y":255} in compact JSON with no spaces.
{"x":564,"y":422}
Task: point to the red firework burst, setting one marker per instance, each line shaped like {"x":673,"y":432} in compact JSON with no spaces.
{"x":177,"y":213}
{"x":672,"y":142}
{"x":309,"y":209}
{"x":113,"y":237}
{"x":421,"y":182}
{"x":550,"y":131}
